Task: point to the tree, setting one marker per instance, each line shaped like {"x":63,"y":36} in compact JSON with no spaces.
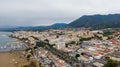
{"x":110,"y":62}
{"x":98,"y":37}
{"x":35,"y":47}
{"x":77,"y":55}
{"x":40,"y":44}
{"x":46,"y":40}
{"x":28,"y":57}
{"x":72,"y":42}
{"x":107,"y":33}
{"x":85,"y":39}
{"x":35,"y":38}
{"x":66,"y":45}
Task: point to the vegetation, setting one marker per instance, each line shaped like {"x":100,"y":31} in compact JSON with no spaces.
{"x":27,"y":49}
{"x":98,"y":37}
{"x":97,"y":21}
{"x":77,"y":55}
{"x":35,"y":38}
{"x":66,"y":45}
{"x":46,"y":40}
{"x":107,"y":33}
{"x":40,"y":44}
{"x":51,"y":45}
{"x":28,"y":57}
{"x":24,"y":39}
{"x":72,"y":42}
{"x":85,"y":39}
{"x":40,"y":65}
{"x":110,"y":62}
{"x":35,"y":47}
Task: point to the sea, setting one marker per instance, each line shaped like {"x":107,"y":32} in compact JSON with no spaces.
{"x":4,"y":38}
{"x":10,"y":44}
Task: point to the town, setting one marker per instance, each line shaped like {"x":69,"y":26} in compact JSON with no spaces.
{"x":71,"y":47}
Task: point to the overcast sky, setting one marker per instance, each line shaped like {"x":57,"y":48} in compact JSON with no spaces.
{"x":47,"y":12}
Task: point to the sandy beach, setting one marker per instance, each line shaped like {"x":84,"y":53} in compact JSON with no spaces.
{"x":12,"y":59}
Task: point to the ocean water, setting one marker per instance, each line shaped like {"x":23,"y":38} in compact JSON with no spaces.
{"x":4,"y":38}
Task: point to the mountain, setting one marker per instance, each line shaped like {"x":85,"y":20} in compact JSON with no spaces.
{"x":58,"y":25}
{"x":54,"y":26}
{"x":87,"y":21}
{"x":34,"y":28}
{"x":97,"y":21}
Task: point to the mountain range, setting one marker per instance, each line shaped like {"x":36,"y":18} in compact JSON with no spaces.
{"x":87,"y":21}
{"x":34,"y":28}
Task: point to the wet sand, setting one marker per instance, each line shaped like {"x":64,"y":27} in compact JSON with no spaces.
{"x":12,"y":59}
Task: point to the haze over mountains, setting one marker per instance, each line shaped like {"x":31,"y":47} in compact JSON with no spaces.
{"x":13,"y":28}
{"x":87,"y":21}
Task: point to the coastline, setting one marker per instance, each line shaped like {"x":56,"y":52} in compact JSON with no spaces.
{"x":4,"y":38}
{"x":12,"y":54}
{"x":9,"y":55}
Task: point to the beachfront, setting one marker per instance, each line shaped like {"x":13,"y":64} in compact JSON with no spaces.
{"x":12,"y":59}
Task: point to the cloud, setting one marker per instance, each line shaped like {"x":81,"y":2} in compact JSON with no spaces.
{"x":46,"y":12}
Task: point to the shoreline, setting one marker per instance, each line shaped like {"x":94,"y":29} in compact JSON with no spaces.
{"x":4,"y":37}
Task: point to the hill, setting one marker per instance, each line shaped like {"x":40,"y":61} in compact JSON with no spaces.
{"x":97,"y":21}
{"x":58,"y":25}
{"x":34,"y":28}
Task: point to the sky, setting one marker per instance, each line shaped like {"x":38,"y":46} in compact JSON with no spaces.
{"x":47,"y":12}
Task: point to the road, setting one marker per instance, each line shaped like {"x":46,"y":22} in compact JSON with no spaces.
{"x":62,"y":55}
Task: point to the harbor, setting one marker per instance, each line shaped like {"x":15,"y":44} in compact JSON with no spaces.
{"x":10,"y":44}
{"x":13,"y":46}
{"x":12,"y":52}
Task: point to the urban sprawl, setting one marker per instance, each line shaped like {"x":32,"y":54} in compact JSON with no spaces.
{"x":71,"y":47}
